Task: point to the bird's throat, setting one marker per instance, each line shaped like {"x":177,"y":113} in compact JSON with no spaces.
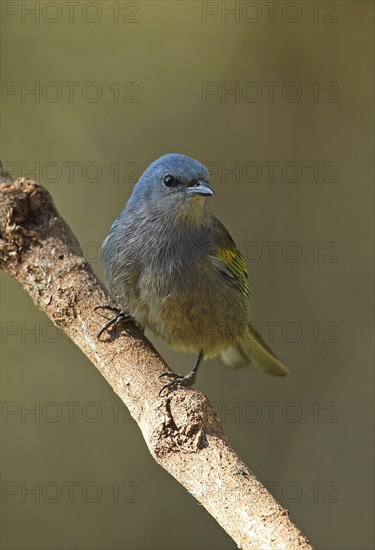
{"x":192,"y":213}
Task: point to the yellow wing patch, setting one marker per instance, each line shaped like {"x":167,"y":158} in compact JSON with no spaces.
{"x":233,"y":265}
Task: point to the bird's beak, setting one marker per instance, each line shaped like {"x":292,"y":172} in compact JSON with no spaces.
{"x":200,"y":188}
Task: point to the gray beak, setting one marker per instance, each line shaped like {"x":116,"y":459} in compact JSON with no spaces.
{"x":200,"y":188}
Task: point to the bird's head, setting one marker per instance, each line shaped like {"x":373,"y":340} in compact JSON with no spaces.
{"x":175,"y":184}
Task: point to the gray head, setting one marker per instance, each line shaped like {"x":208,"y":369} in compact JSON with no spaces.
{"x":172,"y":183}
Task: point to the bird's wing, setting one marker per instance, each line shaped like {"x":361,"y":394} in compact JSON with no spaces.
{"x":232,"y":266}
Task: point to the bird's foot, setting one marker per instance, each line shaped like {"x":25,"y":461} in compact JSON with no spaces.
{"x":177,"y":380}
{"x":119,"y":317}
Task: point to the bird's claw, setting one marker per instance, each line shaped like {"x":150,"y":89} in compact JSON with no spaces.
{"x":119,"y":317}
{"x":170,"y":375}
{"x":177,"y":380}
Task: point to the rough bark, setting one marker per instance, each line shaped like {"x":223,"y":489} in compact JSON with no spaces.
{"x":182,"y":430}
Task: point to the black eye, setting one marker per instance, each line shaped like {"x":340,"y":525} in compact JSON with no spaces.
{"x":169,"y":180}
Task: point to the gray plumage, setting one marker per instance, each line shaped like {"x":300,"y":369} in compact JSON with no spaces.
{"x":175,"y":269}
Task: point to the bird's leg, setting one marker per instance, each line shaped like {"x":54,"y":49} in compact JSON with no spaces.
{"x":179,"y":379}
{"x":115,"y":320}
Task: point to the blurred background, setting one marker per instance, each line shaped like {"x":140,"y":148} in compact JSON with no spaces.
{"x":277,"y":100}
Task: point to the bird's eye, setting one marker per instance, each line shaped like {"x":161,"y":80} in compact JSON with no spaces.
{"x":169,"y":180}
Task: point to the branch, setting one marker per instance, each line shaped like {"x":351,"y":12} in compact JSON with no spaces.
{"x":182,"y":431}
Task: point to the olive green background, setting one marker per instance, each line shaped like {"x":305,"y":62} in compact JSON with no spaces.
{"x":315,"y":449}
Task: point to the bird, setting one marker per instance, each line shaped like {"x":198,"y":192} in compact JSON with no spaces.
{"x":171,"y":266}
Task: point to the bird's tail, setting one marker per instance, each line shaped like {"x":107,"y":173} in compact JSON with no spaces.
{"x":251,"y":348}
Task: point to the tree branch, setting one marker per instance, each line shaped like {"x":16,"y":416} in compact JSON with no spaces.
{"x":182,"y":431}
